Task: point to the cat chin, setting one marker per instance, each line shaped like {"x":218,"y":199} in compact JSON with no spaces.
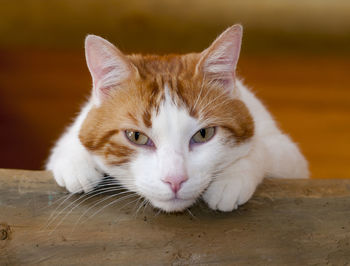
{"x":173,"y":205}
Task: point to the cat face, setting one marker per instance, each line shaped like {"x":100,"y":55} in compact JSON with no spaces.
{"x":166,"y":126}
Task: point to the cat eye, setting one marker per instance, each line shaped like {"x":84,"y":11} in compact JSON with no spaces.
{"x":138,"y":138}
{"x":203,"y":135}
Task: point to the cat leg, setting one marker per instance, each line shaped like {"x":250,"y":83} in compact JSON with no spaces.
{"x":236,"y":184}
{"x":72,"y":165}
{"x":285,"y":159}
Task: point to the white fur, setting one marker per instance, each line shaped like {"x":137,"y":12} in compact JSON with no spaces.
{"x":171,"y":131}
{"x":241,"y":169}
{"x":226,"y":177}
{"x":273,"y":154}
{"x":72,"y":165}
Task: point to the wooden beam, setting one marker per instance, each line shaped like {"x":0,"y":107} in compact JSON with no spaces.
{"x":297,"y":222}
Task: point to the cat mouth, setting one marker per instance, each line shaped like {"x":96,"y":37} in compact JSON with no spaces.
{"x":174,"y":204}
{"x":177,"y":199}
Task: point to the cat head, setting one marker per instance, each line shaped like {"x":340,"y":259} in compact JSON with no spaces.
{"x":166,"y":126}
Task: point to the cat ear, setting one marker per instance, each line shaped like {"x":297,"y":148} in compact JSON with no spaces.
{"x":219,"y":61}
{"x":107,"y":65}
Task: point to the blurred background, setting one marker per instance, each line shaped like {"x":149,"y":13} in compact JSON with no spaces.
{"x":295,"y":57}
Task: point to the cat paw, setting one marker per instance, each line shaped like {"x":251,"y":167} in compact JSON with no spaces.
{"x":75,"y":175}
{"x":227,"y":195}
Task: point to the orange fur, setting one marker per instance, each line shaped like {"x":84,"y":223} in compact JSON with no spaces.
{"x":130,"y":106}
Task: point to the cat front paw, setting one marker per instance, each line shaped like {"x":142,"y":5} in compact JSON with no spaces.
{"x":76,"y":175}
{"x":226,"y":195}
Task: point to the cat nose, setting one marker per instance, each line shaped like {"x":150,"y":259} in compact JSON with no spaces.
{"x":175,"y":182}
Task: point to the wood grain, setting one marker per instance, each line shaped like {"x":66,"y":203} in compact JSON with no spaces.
{"x":287,"y":222}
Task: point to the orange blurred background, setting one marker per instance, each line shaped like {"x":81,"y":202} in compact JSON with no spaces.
{"x":295,"y":56}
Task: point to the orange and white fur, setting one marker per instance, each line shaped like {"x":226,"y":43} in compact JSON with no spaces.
{"x":173,"y":129}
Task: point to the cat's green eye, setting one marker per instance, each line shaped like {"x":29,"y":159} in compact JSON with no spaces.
{"x":203,"y":135}
{"x":138,"y":137}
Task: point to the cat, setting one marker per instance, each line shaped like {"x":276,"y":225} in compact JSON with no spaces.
{"x":174,"y":129}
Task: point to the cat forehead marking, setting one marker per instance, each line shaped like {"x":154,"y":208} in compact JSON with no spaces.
{"x":172,"y":124}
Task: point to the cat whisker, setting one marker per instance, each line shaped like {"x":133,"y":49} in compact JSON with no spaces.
{"x":209,"y":104}
{"x":145,"y":206}
{"x":126,"y":204}
{"x":159,"y":211}
{"x":65,"y":216}
{"x":94,"y":205}
{"x":158,"y":103}
{"x":67,"y":197}
{"x":200,"y":93}
{"x":188,"y":210}
{"x":221,"y":94}
{"x":113,"y":202}
{"x":204,"y":97}
{"x":74,"y":194}
{"x":87,"y":196}
{"x":52,"y":217}
{"x":140,"y":206}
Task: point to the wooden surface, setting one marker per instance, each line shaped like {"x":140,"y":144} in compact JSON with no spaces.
{"x":288,"y":222}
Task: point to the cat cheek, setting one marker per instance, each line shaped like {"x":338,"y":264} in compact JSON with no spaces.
{"x":194,"y":145}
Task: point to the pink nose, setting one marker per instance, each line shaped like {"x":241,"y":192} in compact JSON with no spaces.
{"x":175,"y":182}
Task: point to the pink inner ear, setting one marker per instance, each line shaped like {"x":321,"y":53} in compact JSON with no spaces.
{"x":220,"y":59}
{"x":107,"y":65}
{"x":100,"y":79}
